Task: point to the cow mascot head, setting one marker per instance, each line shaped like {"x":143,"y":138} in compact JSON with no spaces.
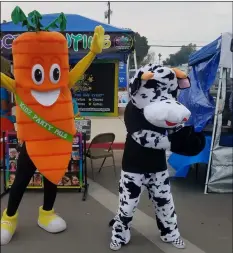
{"x":153,"y":92}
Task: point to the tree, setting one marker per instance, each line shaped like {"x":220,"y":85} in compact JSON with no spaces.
{"x":180,"y":57}
{"x":150,"y":58}
{"x":141,"y":47}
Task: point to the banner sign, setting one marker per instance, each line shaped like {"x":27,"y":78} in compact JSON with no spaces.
{"x":79,"y":42}
{"x":122,"y":75}
{"x":42,"y":122}
{"x":96,"y":92}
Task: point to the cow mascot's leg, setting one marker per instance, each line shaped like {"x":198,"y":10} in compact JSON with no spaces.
{"x":130,"y":189}
{"x":160,"y":194}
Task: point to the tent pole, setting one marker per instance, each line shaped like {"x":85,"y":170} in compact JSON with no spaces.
{"x":128,"y":68}
{"x":127,"y":74}
{"x":135,"y":60}
{"x":214,"y":130}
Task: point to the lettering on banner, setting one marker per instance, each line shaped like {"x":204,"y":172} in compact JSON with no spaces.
{"x":75,"y":40}
{"x":41,"y":122}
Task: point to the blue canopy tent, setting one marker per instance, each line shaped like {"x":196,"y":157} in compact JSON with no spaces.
{"x":204,"y":63}
{"x":75,"y":24}
{"x":119,"y":42}
{"x":211,"y":60}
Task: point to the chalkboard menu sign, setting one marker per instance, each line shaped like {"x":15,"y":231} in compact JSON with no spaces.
{"x":96,"y":92}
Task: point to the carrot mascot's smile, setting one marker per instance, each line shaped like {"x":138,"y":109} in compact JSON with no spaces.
{"x":44,"y":113}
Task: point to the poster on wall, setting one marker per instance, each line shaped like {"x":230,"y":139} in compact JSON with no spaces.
{"x":73,"y":177}
{"x":123,"y":98}
{"x":96,"y":92}
{"x":12,"y":154}
{"x":122,"y":90}
{"x":122,"y":75}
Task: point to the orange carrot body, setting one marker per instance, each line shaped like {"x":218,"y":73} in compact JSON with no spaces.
{"x":49,"y":153}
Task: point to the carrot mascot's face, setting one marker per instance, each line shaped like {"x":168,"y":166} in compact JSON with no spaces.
{"x":41,"y":66}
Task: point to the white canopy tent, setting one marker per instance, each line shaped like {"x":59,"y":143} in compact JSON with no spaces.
{"x":205,"y":64}
{"x":219,"y":176}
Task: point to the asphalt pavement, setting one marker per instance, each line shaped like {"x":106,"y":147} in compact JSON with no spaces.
{"x":205,"y":221}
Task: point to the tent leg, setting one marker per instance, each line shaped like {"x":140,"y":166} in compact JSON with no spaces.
{"x":128,"y":68}
{"x":214,"y":131}
{"x":135,"y":60}
{"x":127,"y":73}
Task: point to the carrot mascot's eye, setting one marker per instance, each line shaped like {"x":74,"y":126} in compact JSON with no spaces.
{"x":55,"y":73}
{"x":38,"y":74}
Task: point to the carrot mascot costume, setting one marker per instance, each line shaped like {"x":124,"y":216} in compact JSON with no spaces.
{"x":44,"y":113}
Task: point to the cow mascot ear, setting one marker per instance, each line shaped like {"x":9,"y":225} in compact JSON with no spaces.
{"x":182,"y":78}
{"x":187,"y":142}
{"x":136,"y":83}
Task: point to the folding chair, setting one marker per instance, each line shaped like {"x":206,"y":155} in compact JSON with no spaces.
{"x":101,"y":153}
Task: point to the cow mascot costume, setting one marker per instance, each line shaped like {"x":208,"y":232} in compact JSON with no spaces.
{"x":155,"y":123}
{"x":44,"y":113}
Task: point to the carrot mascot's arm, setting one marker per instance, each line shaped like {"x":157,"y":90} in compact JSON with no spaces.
{"x":96,"y":48}
{"x":7,"y":83}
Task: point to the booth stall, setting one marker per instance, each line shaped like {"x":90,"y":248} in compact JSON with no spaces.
{"x":210,"y":101}
{"x":97,"y":92}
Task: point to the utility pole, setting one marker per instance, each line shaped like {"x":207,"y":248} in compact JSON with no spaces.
{"x":108,"y":13}
{"x":159,"y":55}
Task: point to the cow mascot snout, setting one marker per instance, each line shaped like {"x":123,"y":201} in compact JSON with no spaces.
{"x":154,"y":121}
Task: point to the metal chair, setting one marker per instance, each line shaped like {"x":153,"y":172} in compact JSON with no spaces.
{"x":99,"y":153}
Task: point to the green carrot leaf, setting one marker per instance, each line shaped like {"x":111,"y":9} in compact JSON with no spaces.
{"x":18,"y":15}
{"x":62,"y":21}
{"x":33,"y":22}
{"x":25,"y":23}
{"x":52,"y":25}
{"x":35,"y":18}
{"x":35,"y":14}
{"x":31,"y":28}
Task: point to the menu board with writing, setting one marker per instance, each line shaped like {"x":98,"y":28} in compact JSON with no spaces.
{"x":96,"y":92}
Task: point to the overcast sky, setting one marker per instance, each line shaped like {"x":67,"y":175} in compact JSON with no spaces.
{"x":167,"y":23}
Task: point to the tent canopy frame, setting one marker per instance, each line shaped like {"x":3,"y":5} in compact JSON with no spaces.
{"x":224,"y":45}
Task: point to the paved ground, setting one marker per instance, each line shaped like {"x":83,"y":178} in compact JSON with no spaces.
{"x":205,"y":221}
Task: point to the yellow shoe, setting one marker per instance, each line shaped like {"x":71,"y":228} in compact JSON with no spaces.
{"x":50,"y":221}
{"x":8,"y":227}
